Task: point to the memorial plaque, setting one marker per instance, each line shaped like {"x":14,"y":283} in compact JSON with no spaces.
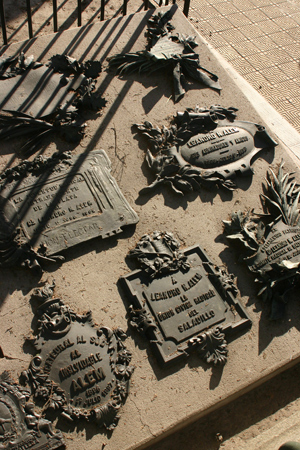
{"x":169,"y":52}
{"x":203,"y":147}
{"x":20,"y":426}
{"x":49,"y":205}
{"x":181,"y":301}
{"x":272,"y":242}
{"x":81,"y":370}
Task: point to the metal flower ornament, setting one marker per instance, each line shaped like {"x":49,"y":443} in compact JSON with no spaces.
{"x":271,"y":242}
{"x":202,"y":147}
{"x":168,"y":52}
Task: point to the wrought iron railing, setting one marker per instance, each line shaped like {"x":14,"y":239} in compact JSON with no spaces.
{"x":79,"y":14}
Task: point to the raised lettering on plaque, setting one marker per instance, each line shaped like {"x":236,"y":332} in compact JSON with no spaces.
{"x":202,"y":148}
{"x":181,"y":301}
{"x":271,"y":242}
{"x":21,"y":427}
{"x":80,"y":370}
{"x":51,"y":204}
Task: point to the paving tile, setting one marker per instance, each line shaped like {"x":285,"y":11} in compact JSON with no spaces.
{"x":256,"y":79}
{"x":282,"y":38}
{"x":221,"y":24}
{"x":294,"y":33}
{"x":274,"y":74}
{"x":293,"y":51}
{"x":295,"y":16}
{"x":233,"y":36}
{"x":238,"y":19}
{"x":251,"y":31}
{"x":278,"y":55}
{"x":206,"y":12}
{"x":285,"y":22}
{"x":242,"y":5}
{"x":216,"y":40}
{"x":268,"y":26}
{"x":256,"y":15}
{"x":292,"y":69}
{"x":288,"y":88}
{"x":246,"y":48}
{"x":260,"y":61}
{"x":289,"y":7}
{"x":272,"y":11}
{"x":226,"y":8}
{"x":229,"y":52}
{"x":242,"y":66}
{"x":264,"y":43}
{"x":260,"y":3}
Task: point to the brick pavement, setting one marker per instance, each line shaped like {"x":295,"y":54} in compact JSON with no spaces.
{"x":261,"y":40}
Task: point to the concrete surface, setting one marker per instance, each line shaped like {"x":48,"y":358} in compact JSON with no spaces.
{"x":161,"y":400}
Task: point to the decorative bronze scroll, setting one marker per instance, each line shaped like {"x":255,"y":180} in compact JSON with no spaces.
{"x":80,"y":370}
{"x":165,"y":51}
{"x":271,"y":242}
{"x":202,"y":148}
{"x":181,"y":301}
{"x":20,"y":426}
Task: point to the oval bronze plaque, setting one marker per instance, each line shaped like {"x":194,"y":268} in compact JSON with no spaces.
{"x":218,"y":148}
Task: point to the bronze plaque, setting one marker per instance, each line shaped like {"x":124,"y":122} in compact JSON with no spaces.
{"x":271,"y":242}
{"x":181,"y":300}
{"x":203,"y":147}
{"x":80,"y":369}
{"x":20,"y":426}
{"x":53,"y":204}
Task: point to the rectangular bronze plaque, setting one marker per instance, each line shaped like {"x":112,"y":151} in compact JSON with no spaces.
{"x":184,"y":305}
{"x":62,"y":204}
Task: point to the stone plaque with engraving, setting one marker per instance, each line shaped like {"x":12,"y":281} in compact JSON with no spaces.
{"x":21,"y":427}
{"x":51,"y":204}
{"x":80,"y":370}
{"x":181,"y":301}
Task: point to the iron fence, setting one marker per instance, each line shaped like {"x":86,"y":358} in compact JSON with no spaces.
{"x":79,"y":14}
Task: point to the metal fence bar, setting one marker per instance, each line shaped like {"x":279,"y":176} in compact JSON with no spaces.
{"x":3,"y":24}
{"x":79,"y":13}
{"x":186,"y":7}
{"x":102,"y":9}
{"x":125,"y":7}
{"x":55,"y":16}
{"x":29,"y":18}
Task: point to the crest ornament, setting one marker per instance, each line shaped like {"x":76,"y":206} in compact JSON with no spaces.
{"x":50,"y":204}
{"x":80,"y":369}
{"x":172,"y":53}
{"x":271,"y":241}
{"x":20,"y":426}
{"x":181,"y":302}
{"x":203,"y":147}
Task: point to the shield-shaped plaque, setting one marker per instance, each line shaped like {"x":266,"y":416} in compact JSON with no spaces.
{"x":203,"y":147}
{"x":51,"y":204}
{"x":20,"y":426}
{"x":272,"y":242}
{"x":81,"y":370}
{"x":181,"y":301}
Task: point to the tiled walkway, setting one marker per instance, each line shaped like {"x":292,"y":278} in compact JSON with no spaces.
{"x":261,"y":40}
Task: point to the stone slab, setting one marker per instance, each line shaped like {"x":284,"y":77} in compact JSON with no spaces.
{"x":161,"y":399}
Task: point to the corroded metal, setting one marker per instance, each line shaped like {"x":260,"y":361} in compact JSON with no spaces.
{"x":271,"y":242}
{"x":54,"y":108}
{"x":202,"y":147}
{"x":81,"y":370}
{"x":181,"y":302}
{"x":21,"y":427}
{"x":168,"y":52}
{"x":51,"y":204}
